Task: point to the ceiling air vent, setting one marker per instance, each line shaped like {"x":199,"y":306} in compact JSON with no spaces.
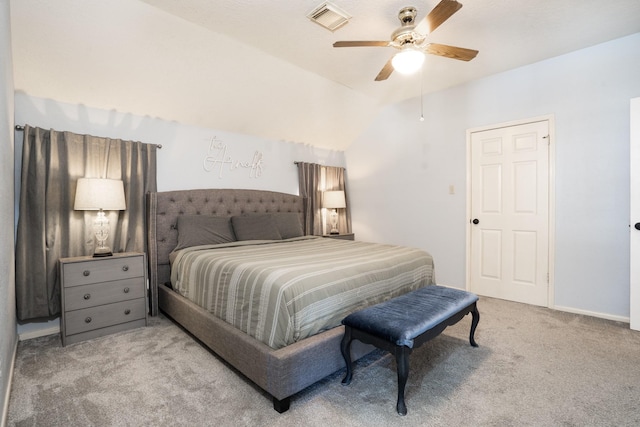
{"x":329,"y":16}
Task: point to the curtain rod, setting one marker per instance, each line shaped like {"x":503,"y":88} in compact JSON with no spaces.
{"x":21,"y":128}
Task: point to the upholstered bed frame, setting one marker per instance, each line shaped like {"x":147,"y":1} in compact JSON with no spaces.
{"x":282,"y":372}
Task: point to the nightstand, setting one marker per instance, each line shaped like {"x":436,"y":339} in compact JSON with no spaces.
{"x":345,"y":236}
{"x":101,"y":296}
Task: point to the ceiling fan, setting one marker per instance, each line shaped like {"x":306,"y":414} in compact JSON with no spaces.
{"x":410,"y":39}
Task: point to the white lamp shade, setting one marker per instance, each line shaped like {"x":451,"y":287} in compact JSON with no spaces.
{"x":407,"y":61}
{"x":333,"y":200}
{"x":93,"y":194}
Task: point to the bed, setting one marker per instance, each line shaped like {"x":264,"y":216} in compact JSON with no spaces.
{"x":276,"y":348}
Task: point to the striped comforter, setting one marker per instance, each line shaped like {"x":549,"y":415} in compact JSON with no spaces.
{"x":280,"y":292}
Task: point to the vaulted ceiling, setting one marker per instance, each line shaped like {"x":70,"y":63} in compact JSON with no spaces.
{"x":263,"y":68}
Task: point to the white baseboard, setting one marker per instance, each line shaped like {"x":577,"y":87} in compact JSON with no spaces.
{"x":622,"y":319}
{"x":5,"y":405}
{"x":39,"y":333}
{"x":615,"y":318}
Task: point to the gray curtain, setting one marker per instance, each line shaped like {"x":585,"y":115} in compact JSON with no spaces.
{"x":335,"y":180}
{"x":309,"y":176}
{"x":49,"y":228}
{"x":311,"y":183}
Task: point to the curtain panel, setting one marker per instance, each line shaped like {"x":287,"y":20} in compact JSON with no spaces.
{"x":313,"y":180}
{"x":335,"y":180}
{"x":309,"y":178}
{"x":49,"y":228}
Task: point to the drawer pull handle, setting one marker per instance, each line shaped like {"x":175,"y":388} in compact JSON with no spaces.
{"x":86,"y":273}
{"x":87,"y":296}
{"x":127,"y":311}
{"x":125,"y":268}
{"x":87,"y":320}
{"x":126,"y":290}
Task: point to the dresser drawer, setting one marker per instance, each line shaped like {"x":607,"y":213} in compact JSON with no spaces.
{"x":86,"y":296}
{"x":101,"y":270}
{"x":104,"y":315}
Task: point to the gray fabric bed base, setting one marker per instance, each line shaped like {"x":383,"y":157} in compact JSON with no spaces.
{"x":282,"y":372}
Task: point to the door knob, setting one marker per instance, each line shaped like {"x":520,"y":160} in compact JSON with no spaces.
{"x":637,"y":226}
{"x":476,"y":221}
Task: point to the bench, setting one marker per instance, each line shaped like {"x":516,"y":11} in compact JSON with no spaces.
{"x":403,"y":323}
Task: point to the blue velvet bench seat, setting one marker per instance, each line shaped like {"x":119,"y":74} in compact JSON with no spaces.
{"x":403,"y":323}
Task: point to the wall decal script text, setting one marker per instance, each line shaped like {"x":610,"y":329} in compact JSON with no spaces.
{"x":217,"y":157}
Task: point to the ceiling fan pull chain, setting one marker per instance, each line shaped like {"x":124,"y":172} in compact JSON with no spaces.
{"x":421,"y":92}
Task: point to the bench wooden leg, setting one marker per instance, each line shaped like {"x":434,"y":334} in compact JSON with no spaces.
{"x":345,"y":348}
{"x":475,"y":314}
{"x":402,"y":362}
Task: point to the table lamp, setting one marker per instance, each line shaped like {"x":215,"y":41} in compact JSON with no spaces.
{"x":333,"y":200}
{"x":97,"y":194}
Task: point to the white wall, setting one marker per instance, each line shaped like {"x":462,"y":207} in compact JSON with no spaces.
{"x":185,"y":160}
{"x":134,"y":57}
{"x":184,"y":148}
{"x":400,"y":169}
{"x":8,"y":338}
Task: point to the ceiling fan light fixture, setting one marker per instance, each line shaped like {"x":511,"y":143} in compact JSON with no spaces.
{"x":408,"y":61}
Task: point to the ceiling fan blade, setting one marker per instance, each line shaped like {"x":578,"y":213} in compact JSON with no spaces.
{"x":385,"y":72}
{"x":437,"y":16}
{"x":451,"y":51}
{"x":361,"y":44}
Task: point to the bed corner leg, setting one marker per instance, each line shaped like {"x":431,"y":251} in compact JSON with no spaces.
{"x":281,"y":405}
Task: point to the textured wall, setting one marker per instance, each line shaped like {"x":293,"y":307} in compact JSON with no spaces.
{"x":400,"y":169}
{"x":158,"y":65}
{"x":7,"y":276}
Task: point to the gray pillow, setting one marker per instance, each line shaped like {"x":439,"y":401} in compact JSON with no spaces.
{"x":196,"y":230}
{"x":288,"y":224}
{"x":255,"y":227}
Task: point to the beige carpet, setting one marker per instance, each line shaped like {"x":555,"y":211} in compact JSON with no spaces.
{"x":534,"y":367}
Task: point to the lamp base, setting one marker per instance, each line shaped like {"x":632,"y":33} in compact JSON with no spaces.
{"x":102,"y":252}
{"x":334,"y":222}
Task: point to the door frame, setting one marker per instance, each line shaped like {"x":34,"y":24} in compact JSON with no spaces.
{"x":552,"y":197}
{"x":634,"y":270}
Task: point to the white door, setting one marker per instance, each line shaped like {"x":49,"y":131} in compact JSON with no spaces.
{"x":635,"y":215}
{"x":509,"y":209}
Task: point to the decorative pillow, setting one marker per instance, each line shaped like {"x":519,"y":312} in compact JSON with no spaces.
{"x":288,"y":224}
{"x":255,"y":227}
{"x":195,"y":230}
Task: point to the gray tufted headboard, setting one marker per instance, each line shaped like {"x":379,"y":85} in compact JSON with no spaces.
{"x":164,"y":208}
